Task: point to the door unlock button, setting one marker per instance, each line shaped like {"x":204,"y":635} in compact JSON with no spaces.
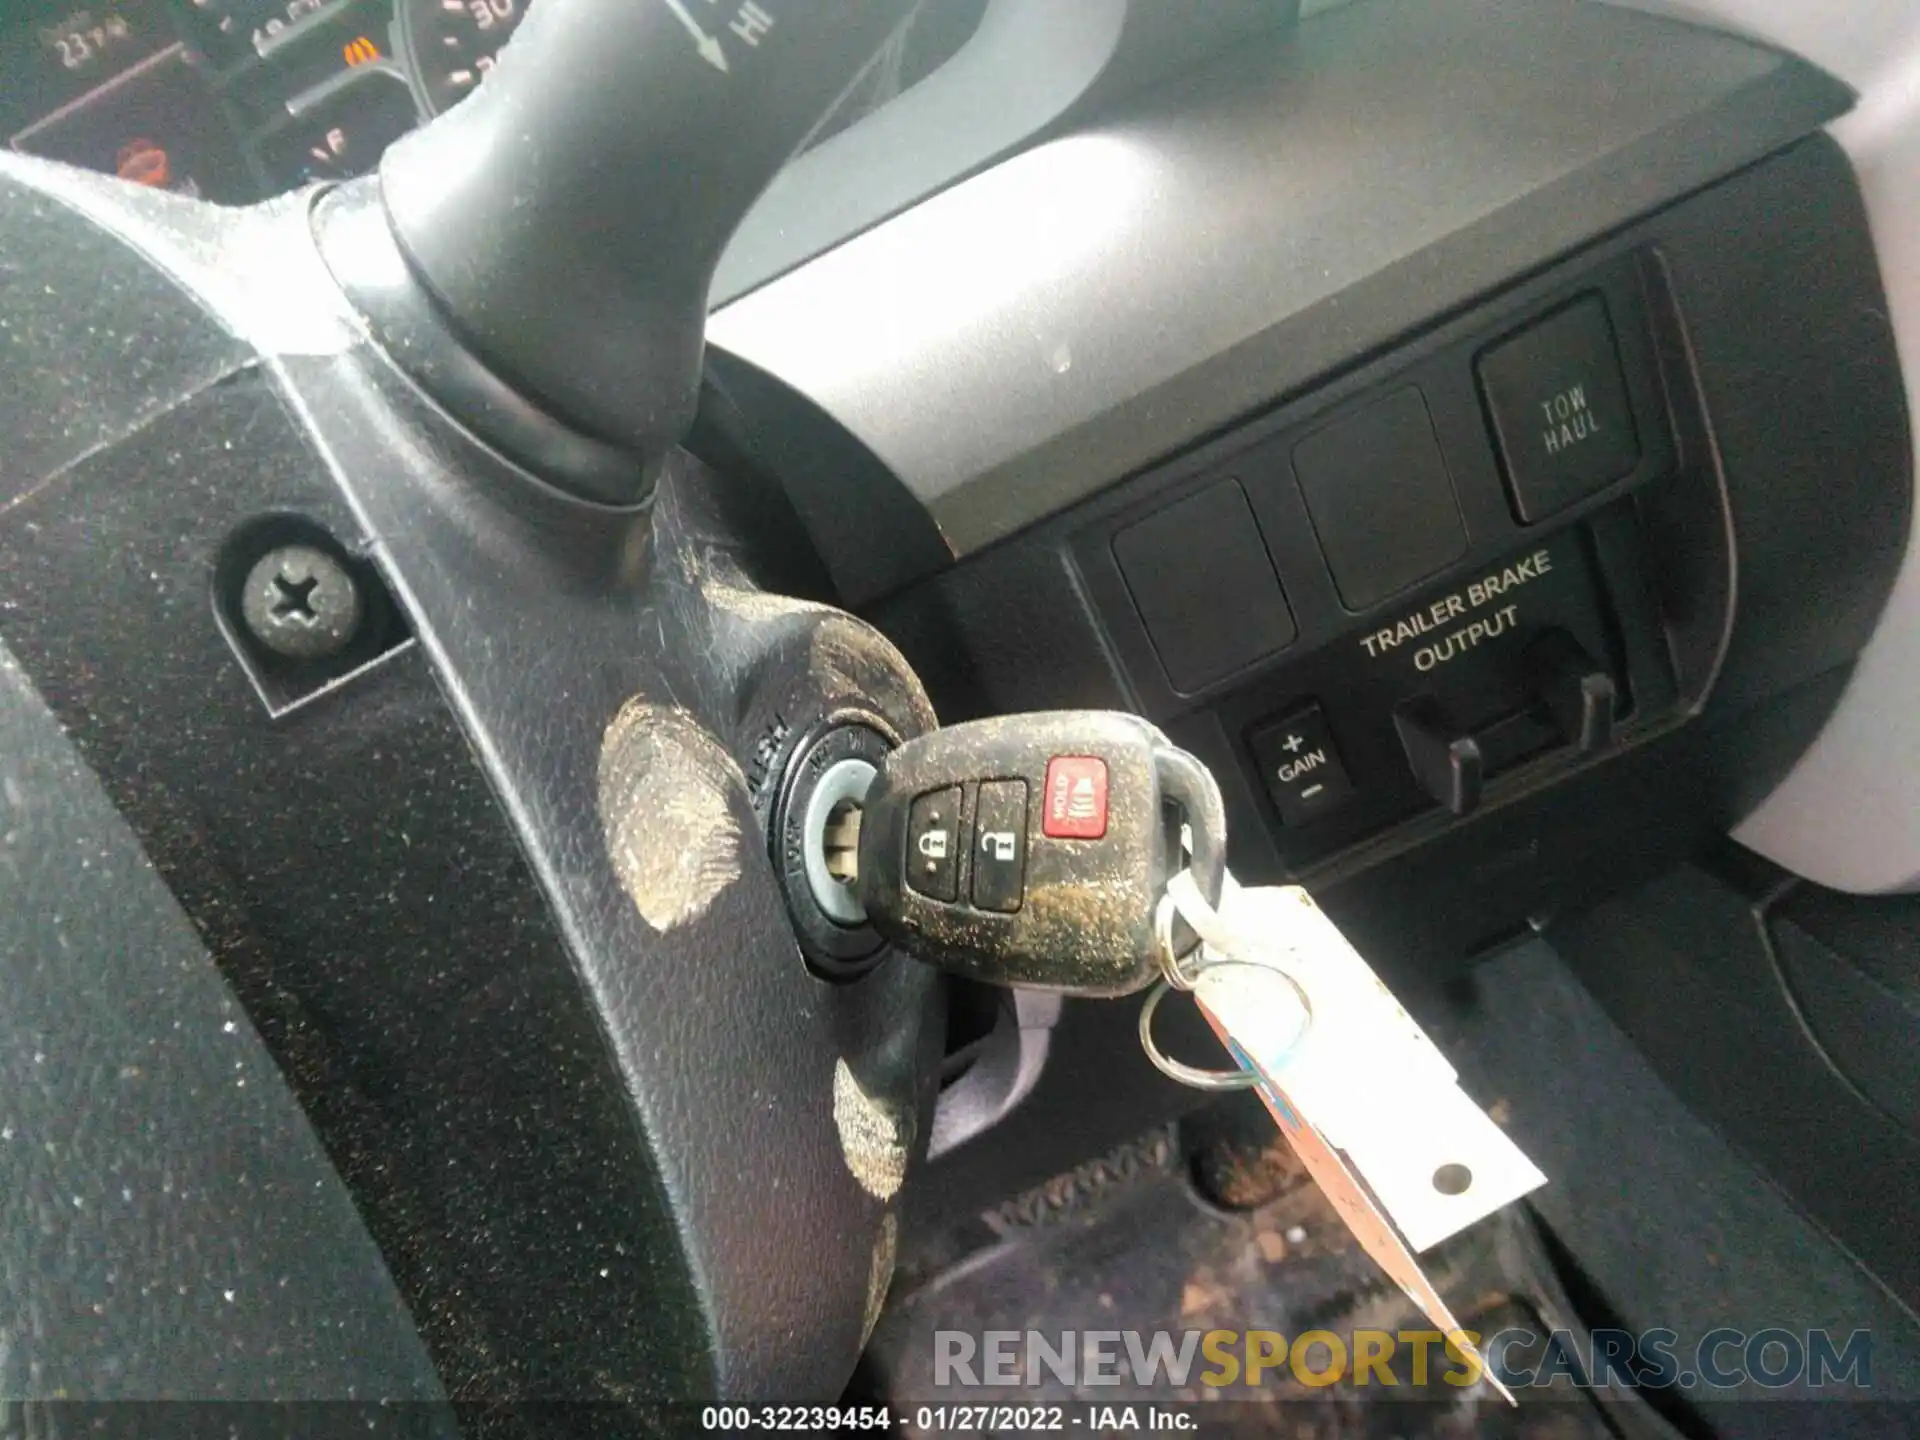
{"x":1000,"y":845}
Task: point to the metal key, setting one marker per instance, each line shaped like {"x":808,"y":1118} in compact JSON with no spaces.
{"x":1033,"y":850}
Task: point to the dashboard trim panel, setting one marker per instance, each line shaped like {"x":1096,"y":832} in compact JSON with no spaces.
{"x":1133,"y":286}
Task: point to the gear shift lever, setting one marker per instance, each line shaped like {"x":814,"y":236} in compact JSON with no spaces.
{"x":564,"y":222}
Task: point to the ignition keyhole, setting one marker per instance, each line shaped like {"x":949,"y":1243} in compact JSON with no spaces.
{"x":842,"y":841}
{"x":816,"y":831}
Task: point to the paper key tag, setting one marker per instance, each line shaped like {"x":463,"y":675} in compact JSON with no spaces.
{"x":1371,"y":1107}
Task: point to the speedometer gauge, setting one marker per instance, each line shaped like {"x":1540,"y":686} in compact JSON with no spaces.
{"x":450,"y":44}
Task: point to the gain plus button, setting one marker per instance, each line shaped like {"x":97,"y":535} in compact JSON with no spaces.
{"x":1302,"y":768}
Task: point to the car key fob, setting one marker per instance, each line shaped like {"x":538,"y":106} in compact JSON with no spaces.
{"x":1034,"y":849}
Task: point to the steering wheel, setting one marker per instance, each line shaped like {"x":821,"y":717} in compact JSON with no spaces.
{"x":421,"y":1003}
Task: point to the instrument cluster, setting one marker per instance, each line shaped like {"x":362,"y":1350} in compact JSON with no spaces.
{"x":234,"y":100}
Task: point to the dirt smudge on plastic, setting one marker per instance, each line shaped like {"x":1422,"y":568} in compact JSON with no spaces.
{"x":666,"y":811}
{"x":874,"y":1136}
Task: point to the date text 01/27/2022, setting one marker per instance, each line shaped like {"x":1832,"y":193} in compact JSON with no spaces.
{"x":951,"y":1419}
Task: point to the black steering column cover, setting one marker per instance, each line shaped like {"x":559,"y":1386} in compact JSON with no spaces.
{"x":501,"y":904}
{"x":170,"y":1227}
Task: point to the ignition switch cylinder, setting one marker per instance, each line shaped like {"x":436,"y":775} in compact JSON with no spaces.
{"x":816,"y":831}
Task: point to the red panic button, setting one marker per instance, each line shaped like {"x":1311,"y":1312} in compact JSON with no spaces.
{"x":1076,"y":798}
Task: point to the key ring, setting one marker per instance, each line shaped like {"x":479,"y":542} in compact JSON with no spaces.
{"x":1190,"y":1075}
{"x":1176,"y":976}
{"x":1172,"y":972}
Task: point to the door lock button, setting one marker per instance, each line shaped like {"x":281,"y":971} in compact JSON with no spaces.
{"x":1302,"y":768}
{"x":933,"y":845}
